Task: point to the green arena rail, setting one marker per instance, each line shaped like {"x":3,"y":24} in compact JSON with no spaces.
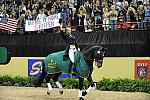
{"x":4,"y":55}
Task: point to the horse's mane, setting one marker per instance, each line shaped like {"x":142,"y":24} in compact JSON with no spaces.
{"x":89,"y":48}
{"x":86,"y":48}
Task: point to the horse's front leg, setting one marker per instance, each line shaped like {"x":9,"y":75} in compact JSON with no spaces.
{"x":92,"y":87}
{"x":80,"y":87}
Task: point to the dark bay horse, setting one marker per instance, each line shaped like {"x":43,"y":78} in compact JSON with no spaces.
{"x":83,"y":68}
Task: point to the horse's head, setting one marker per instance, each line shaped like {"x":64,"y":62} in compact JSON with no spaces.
{"x":94,"y":53}
{"x":99,"y":53}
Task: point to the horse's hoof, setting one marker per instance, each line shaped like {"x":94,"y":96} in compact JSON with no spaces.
{"x":84,"y":93}
{"x":81,"y":98}
{"x":61,"y":92}
{"x":94,"y":87}
{"x":48,"y":93}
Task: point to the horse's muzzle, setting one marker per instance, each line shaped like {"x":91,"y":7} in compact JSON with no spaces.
{"x":99,"y":63}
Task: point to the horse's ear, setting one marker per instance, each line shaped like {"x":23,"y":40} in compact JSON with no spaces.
{"x":103,"y":48}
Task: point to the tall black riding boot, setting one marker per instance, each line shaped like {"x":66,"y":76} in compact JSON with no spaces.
{"x":70,"y":68}
{"x":66,"y":54}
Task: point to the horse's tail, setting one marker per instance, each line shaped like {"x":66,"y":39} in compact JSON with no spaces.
{"x":40,"y":79}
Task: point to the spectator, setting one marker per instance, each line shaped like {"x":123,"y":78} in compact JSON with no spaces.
{"x":5,"y":15}
{"x":113,"y":14}
{"x":120,"y":5}
{"x":82,"y":16}
{"x":64,"y":11}
{"x":1,"y":13}
{"x":97,"y":13}
{"x":126,"y":6}
{"x":88,"y":7}
{"x":28,"y":15}
{"x":90,"y":24}
{"x":49,"y":5}
{"x":40,"y":17}
{"x":29,"y":9}
{"x":105,"y":19}
{"x":74,"y":18}
{"x":131,"y":14}
{"x":21,"y":22}
{"x":12,"y":15}
{"x":105,"y":4}
{"x":140,"y":11}
{"x":147,"y":14}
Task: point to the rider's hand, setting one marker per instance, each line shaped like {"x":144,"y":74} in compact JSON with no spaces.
{"x":78,"y":49}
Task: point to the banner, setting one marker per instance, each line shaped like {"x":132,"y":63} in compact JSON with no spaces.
{"x":142,"y":69}
{"x":45,"y":23}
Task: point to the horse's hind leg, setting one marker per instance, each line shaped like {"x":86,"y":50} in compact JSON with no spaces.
{"x":39,"y":80}
{"x":47,"y":78}
{"x":55,"y":79}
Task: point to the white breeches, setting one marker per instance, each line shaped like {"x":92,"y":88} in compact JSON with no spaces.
{"x":71,"y":54}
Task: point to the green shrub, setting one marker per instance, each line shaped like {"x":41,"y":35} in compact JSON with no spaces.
{"x":6,"y":78}
{"x":124,"y":85}
{"x":86,"y":84}
{"x":69,"y":83}
{"x":8,"y":83}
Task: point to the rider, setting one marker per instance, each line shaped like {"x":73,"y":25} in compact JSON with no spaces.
{"x":71,"y":43}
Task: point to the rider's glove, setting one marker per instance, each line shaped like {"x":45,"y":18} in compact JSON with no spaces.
{"x":78,"y":49}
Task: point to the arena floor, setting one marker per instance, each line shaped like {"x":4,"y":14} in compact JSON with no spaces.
{"x":30,"y":93}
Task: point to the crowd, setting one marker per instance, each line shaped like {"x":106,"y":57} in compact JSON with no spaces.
{"x":84,"y":14}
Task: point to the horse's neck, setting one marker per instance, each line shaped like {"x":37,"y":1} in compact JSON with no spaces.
{"x":89,"y":61}
{"x":88,"y":52}
{"x":88,"y":57}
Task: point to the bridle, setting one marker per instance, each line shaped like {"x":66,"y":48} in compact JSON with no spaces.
{"x":90,"y":59}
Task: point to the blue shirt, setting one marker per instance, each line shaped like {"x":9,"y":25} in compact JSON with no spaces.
{"x":147,"y":11}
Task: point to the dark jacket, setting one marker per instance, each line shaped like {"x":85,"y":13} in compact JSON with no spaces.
{"x":70,"y":39}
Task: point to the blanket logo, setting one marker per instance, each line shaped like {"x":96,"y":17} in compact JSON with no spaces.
{"x":52,"y":64}
{"x":35,"y":67}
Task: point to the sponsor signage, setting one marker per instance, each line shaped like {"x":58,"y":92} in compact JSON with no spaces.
{"x":35,"y":67}
{"x":142,"y":69}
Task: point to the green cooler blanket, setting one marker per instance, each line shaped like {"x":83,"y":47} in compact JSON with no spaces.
{"x":54,"y":63}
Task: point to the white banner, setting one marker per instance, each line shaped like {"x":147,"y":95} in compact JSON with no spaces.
{"x":45,"y":23}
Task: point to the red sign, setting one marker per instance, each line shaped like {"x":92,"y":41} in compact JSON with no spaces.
{"x":142,"y":69}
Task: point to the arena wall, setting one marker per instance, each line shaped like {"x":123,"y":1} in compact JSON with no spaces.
{"x":113,"y":67}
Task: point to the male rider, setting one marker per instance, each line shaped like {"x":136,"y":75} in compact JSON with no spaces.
{"x":71,"y":43}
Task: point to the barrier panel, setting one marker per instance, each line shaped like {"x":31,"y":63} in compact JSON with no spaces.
{"x":113,"y":68}
{"x":3,"y":55}
{"x":123,"y":67}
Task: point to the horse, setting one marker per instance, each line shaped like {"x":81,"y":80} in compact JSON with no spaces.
{"x":54,"y":66}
